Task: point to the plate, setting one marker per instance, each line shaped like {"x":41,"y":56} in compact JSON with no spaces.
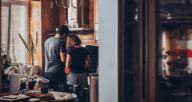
{"x":36,"y":91}
{"x":74,"y":95}
{"x":13,"y":98}
{"x":9,"y":97}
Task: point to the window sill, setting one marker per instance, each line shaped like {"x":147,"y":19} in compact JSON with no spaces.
{"x":71,"y":30}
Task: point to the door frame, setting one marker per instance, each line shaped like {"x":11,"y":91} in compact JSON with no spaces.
{"x":148,"y":31}
{"x":0,"y":51}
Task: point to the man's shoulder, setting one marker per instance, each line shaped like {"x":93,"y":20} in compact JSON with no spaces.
{"x":54,"y":40}
{"x":48,"y":39}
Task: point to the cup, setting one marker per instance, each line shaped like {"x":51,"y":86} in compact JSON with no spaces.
{"x":15,"y":82}
{"x":31,"y":85}
{"x":44,"y":90}
{"x":62,"y":87}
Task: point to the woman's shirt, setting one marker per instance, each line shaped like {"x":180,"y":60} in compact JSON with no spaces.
{"x":78,"y":59}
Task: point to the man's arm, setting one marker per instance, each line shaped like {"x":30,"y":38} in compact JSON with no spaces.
{"x":63,"y":57}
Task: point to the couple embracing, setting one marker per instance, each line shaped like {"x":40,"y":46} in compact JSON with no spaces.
{"x":59,"y":59}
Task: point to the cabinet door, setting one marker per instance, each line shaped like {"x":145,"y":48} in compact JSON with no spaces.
{"x":139,"y":71}
{"x":130,"y":42}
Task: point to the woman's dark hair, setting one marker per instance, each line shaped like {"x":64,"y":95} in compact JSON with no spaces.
{"x":63,"y":29}
{"x":73,"y":40}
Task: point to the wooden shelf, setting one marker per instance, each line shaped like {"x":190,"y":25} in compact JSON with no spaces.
{"x":80,"y":29}
{"x":180,"y":75}
{"x":131,"y":23}
{"x":176,"y":21}
{"x":131,"y":72}
{"x":71,"y":30}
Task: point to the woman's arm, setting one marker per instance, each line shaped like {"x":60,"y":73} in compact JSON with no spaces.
{"x":68,"y":61}
{"x":88,"y":61}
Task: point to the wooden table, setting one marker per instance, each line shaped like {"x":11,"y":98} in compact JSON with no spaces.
{"x":19,"y":98}
{"x":59,"y":97}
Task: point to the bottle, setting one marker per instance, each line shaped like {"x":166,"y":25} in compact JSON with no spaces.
{"x":66,"y":23}
{"x":70,"y":25}
{"x":74,"y":24}
{"x":27,"y":89}
{"x":77,"y":25}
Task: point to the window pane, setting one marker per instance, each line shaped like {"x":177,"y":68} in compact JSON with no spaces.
{"x":175,"y":39}
{"x":18,"y":26}
{"x":4,"y":30}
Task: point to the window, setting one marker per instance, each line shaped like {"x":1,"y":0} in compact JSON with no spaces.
{"x":14,"y":22}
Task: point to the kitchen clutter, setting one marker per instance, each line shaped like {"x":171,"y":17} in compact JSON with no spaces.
{"x":21,"y":76}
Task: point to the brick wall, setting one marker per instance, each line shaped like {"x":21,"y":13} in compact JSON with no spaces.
{"x":50,"y":21}
{"x":54,"y":17}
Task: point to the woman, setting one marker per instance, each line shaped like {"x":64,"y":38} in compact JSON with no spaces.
{"x":77,"y":57}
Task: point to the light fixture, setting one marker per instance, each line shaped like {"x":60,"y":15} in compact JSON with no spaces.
{"x":68,"y":4}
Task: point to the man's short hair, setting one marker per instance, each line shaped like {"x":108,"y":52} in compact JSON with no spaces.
{"x":63,"y":29}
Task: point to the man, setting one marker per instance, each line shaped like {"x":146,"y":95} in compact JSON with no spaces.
{"x":55,"y":57}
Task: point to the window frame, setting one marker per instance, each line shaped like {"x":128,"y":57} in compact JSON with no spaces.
{"x":147,"y":61}
{"x":25,"y":3}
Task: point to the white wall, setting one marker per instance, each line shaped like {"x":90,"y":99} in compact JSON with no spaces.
{"x":108,"y":50}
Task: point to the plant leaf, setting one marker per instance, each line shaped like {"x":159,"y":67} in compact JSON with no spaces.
{"x":8,"y":58}
{"x":31,"y":43}
{"x":31,"y":49}
{"x":36,"y":38}
{"x":32,"y":58}
{"x":24,"y":42}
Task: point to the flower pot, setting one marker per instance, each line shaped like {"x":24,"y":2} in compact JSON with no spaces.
{"x":14,"y":83}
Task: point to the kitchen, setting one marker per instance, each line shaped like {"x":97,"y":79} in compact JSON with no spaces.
{"x":144,"y":46}
{"x":37,"y":20}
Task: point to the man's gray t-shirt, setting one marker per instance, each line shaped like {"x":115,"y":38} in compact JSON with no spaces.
{"x":53,"y":47}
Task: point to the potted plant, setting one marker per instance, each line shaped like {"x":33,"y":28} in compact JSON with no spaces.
{"x":31,"y":48}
